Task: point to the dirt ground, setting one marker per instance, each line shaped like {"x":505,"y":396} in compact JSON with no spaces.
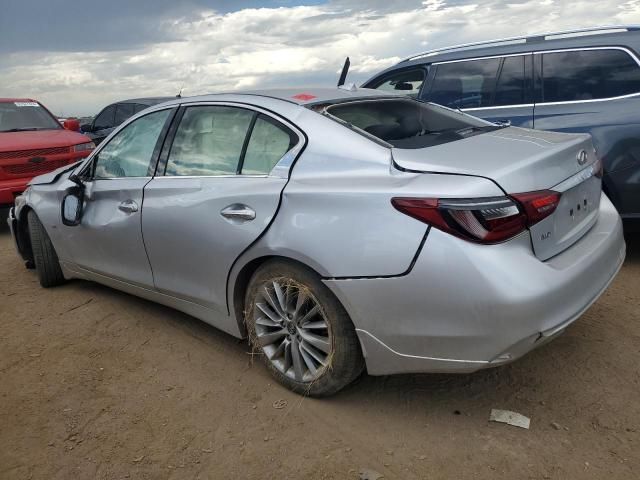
{"x":97,"y":384}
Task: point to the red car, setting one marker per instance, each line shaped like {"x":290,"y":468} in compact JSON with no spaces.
{"x":33,"y":142}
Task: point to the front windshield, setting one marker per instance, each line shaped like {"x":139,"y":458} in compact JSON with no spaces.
{"x":25,"y":116}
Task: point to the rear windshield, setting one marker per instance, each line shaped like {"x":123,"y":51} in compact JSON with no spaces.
{"x":25,"y":116}
{"x":406,"y":123}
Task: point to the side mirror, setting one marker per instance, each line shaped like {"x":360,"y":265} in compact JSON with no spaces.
{"x":72,"y":206}
{"x":71,"y":124}
{"x":86,"y":128}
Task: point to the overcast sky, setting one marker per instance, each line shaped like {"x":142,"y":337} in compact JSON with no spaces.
{"x":76,"y":57}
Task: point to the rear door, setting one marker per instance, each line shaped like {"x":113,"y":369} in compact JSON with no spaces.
{"x":497,"y":89}
{"x":109,"y":239}
{"x":218,"y":193}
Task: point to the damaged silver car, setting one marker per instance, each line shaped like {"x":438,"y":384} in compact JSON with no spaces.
{"x":337,"y":229}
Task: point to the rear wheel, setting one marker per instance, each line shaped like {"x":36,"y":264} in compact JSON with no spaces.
{"x":44,"y":255}
{"x":306,"y":337}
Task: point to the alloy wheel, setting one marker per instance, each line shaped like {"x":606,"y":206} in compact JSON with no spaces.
{"x":292,"y":330}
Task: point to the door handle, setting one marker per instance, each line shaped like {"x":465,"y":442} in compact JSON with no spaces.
{"x":128,"y":206}
{"x":238,"y":212}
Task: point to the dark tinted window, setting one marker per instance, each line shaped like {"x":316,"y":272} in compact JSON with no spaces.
{"x":123,"y":111}
{"x":105,"y":119}
{"x":468,"y":84}
{"x":510,"y":88}
{"x":138,"y":107}
{"x":209,"y":141}
{"x":405,"y":82}
{"x":407,"y":123}
{"x":589,"y":74}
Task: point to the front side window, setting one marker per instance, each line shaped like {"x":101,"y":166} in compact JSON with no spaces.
{"x":467,"y":84}
{"x":209,"y":141}
{"x":510,"y":89}
{"x":22,"y":116}
{"x":588,"y":75}
{"x":130,"y":152}
{"x":408,"y":83}
{"x":105,"y":118}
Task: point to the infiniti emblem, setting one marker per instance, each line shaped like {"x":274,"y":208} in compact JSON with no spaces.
{"x":582,"y":157}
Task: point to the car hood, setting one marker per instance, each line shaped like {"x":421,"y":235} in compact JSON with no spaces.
{"x":54,"y":175}
{"x":16,"y":141}
{"x":517,"y":159}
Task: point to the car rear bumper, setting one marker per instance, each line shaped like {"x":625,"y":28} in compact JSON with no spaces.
{"x":464,"y":306}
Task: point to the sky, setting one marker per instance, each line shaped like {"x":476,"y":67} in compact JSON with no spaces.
{"x":76,"y":57}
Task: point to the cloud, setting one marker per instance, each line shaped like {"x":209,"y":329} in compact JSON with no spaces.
{"x":208,"y":47}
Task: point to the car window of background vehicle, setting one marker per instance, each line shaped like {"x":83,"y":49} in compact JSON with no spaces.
{"x":268,"y":143}
{"x":408,"y":83}
{"x":25,"y":116}
{"x":588,"y":75}
{"x":209,"y":141}
{"x":510,"y":89}
{"x":129,"y":152}
{"x":123,"y":111}
{"x":105,"y":118}
{"x":467,"y":84}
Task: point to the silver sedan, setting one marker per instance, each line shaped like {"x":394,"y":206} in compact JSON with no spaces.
{"x":337,"y":229}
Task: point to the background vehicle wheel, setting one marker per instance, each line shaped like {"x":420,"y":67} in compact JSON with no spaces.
{"x":307,"y":339}
{"x":44,"y":255}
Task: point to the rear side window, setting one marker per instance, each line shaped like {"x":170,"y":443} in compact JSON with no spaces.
{"x":138,"y":107}
{"x":268,"y":143}
{"x":408,"y":83}
{"x":468,"y":84}
{"x":588,"y":75}
{"x":209,"y":141}
{"x":105,"y":118}
{"x":123,"y":111}
{"x":510,"y":89}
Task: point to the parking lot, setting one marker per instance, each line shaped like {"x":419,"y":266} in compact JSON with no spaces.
{"x":99,"y":384}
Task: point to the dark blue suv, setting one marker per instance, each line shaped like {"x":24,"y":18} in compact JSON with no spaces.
{"x":575,"y":81}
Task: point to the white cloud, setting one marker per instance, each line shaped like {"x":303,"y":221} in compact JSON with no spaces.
{"x":283,"y":46}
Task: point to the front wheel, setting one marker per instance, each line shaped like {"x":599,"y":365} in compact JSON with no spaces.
{"x":44,"y":255}
{"x":306,"y":337}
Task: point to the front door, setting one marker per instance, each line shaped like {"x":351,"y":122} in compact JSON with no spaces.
{"x":109,"y":239}
{"x":217,"y":196}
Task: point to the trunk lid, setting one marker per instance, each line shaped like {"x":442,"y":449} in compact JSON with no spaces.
{"x":519,"y":161}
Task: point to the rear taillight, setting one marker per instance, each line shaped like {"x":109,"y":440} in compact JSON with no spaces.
{"x":538,"y":205}
{"x":481,"y":220}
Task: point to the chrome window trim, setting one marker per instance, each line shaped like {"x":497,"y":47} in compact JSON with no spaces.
{"x":523,"y":54}
{"x":565,"y":102}
{"x":282,"y":167}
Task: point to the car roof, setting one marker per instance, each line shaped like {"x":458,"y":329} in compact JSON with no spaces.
{"x":9,"y":100}
{"x":295,"y":96}
{"x":146,"y":101}
{"x":534,"y":43}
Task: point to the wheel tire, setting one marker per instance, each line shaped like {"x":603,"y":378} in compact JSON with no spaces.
{"x":344,"y":363}
{"x":44,"y":255}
